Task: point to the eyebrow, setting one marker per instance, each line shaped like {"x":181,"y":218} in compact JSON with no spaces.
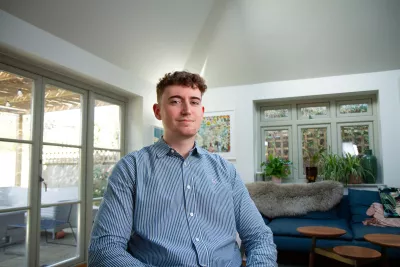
{"x":178,"y":96}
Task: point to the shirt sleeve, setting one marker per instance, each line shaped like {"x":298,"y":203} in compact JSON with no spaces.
{"x":113,"y":224}
{"x":256,"y":236}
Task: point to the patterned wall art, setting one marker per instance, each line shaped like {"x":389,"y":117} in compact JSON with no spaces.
{"x":216,"y":133}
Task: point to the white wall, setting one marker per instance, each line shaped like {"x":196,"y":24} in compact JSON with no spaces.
{"x":241,"y":100}
{"x":32,"y":42}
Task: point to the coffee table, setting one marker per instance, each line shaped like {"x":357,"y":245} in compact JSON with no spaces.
{"x":384,"y":241}
{"x":358,"y":255}
{"x":321,"y":232}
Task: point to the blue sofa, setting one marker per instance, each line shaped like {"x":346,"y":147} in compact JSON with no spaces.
{"x":347,"y":215}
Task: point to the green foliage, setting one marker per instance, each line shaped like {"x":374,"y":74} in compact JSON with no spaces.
{"x":276,"y":166}
{"x":332,"y":167}
{"x":341,"y":169}
{"x":100,"y":179}
{"x":313,"y":155}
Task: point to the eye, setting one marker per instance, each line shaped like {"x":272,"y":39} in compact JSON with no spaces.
{"x":196,"y":103}
{"x":175,"y":101}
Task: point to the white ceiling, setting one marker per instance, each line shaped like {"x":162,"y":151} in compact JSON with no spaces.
{"x":234,"y":42}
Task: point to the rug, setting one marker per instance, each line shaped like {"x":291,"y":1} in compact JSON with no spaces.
{"x":276,"y":200}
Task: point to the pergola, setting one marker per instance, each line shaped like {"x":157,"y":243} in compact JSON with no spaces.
{"x":16,"y":98}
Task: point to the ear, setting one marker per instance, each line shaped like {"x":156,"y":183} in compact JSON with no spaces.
{"x":202,"y":110}
{"x":156,"y":110}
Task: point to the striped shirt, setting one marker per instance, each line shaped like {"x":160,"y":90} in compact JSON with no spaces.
{"x":160,"y":209}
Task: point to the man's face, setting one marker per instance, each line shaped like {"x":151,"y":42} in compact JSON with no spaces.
{"x":180,"y":110}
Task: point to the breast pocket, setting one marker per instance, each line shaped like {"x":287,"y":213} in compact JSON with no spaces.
{"x":219,"y":194}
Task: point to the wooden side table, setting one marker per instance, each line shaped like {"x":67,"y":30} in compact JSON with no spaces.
{"x":384,"y":241}
{"x":358,"y":255}
{"x":321,"y":232}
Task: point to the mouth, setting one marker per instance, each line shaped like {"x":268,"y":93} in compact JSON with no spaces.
{"x":186,"y":120}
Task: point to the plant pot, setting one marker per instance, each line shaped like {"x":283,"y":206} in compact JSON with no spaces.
{"x":276,"y":179}
{"x":355,"y":180}
{"x":311,"y":174}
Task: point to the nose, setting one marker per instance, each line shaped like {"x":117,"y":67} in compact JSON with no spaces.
{"x":186,"y":108}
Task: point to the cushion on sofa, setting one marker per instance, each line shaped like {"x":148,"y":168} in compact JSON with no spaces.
{"x":360,"y":201}
{"x":266,"y":220}
{"x":363,"y":197}
{"x":321,"y":215}
{"x":359,"y":214}
{"x":343,"y":208}
{"x":288,"y":226}
{"x":390,"y":198}
{"x":359,"y":230}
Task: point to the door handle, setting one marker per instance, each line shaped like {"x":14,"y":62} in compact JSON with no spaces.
{"x":41,"y":180}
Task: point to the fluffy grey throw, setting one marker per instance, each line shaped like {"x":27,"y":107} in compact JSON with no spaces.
{"x":274,"y":200}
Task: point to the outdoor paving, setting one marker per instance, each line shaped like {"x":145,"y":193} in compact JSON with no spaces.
{"x":14,"y":255}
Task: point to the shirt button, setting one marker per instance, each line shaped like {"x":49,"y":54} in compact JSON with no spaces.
{"x":172,"y":151}
{"x":197,"y":239}
{"x":188,"y":187}
{"x":191,"y":214}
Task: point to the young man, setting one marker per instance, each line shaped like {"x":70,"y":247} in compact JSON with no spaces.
{"x":175,"y":204}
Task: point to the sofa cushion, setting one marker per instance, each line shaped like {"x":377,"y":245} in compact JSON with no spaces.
{"x":390,"y":197}
{"x":343,"y":209}
{"x":359,"y":230}
{"x":359,"y":214}
{"x":266,"y":220}
{"x":321,"y":215}
{"x":288,"y":226}
{"x":363,"y":197}
{"x":360,"y":201}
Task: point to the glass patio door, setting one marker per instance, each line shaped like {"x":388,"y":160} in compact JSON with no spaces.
{"x":62,"y":171}
{"x":19,"y":151}
{"x":57,"y":148}
{"x":106,"y":142}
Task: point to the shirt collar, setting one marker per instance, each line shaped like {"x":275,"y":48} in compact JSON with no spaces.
{"x":162,"y":149}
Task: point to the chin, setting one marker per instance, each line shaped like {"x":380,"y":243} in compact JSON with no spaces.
{"x":188,"y":133}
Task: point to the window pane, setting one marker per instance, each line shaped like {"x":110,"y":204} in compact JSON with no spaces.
{"x":103,"y":163}
{"x":15,"y":106}
{"x":12,"y":238}
{"x":15,"y":172}
{"x":277,"y":143}
{"x":59,"y":222}
{"x":107,"y":125}
{"x":313,"y":112}
{"x":313,"y":139}
{"x":276,"y":113}
{"x":358,"y":135}
{"x":61,"y":172}
{"x":62,"y":117}
{"x":353,"y":108}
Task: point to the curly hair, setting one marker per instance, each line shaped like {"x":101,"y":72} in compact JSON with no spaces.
{"x":182,"y":78}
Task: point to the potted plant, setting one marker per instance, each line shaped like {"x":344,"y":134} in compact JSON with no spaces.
{"x":332,"y":168}
{"x":347,"y":169}
{"x":353,"y":170}
{"x":312,"y":159}
{"x":276,"y":168}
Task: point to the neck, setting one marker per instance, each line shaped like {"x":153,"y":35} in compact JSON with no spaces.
{"x":182,"y":146}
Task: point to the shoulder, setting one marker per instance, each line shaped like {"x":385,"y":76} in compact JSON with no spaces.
{"x":145,"y":152}
{"x":217,"y":161}
{"x":135,"y":158}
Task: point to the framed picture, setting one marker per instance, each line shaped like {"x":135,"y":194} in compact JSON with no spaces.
{"x":157,"y":133}
{"x":216,"y":133}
